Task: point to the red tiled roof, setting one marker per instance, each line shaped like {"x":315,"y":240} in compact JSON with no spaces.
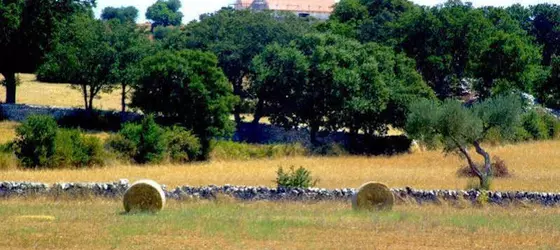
{"x":325,"y":6}
{"x":317,"y":6}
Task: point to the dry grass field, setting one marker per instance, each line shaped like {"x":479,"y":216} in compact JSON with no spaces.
{"x":100,"y":224}
{"x":31,"y":91}
{"x":535,"y":167}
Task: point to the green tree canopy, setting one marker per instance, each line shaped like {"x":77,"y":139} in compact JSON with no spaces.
{"x":236,"y":37}
{"x":26,"y":34}
{"x":457,"y":128}
{"x":165,"y":13}
{"x":187,"y":88}
{"x":83,"y":56}
{"x":123,"y":14}
{"x":326,"y":81}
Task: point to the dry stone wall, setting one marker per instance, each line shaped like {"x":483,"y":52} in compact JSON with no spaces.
{"x":251,"y":193}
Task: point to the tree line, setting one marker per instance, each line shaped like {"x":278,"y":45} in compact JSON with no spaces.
{"x":359,"y":71}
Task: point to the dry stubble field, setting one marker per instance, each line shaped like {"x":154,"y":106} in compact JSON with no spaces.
{"x":99,"y":224}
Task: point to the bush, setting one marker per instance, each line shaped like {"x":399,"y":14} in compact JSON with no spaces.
{"x":229,"y":150}
{"x":494,"y":137}
{"x":300,"y":178}
{"x":499,"y":169}
{"x":145,"y":142}
{"x":124,"y":148}
{"x":534,"y":124}
{"x":77,"y":150}
{"x":182,"y":145}
{"x":521,"y":135}
{"x":35,"y":142}
{"x":553,"y":125}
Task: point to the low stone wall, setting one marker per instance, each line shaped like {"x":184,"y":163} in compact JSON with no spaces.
{"x":248,"y":193}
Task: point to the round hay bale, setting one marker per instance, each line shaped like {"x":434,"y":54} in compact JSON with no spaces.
{"x":373,"y":196}
{"x":144,"y":196}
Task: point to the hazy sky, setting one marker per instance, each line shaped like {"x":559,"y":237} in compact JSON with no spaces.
{"x":193,"y":8}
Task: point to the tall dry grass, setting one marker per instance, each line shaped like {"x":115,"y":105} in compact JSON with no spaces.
{"x":535,"y":167}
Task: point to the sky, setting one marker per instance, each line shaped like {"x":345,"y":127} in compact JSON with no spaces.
{"x":193,"y":8}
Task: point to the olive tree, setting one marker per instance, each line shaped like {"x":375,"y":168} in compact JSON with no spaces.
{"x":458,"y":128}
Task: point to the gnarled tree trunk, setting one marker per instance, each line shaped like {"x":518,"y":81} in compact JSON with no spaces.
{"x":487,"y":174}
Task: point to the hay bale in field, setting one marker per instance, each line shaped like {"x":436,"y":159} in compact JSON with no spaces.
{"x":373,"y":196}
{"x":144,"y":196}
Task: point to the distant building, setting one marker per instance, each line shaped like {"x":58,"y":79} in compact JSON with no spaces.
{"x":320,"y":9}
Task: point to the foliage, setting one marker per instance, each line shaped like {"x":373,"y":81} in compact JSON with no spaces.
{"x":229,"y":150}
{"x":535,"y":125}
{"x":509,"y":62}
{"x":144,"y":142}
{"x":40,"y":144}
{"x":332,"y":82}
{"x":540,"y":125}
{"x":236,"y":37}
{"x":165,"y":13}
{"x":82,"y":56}
{"x":121,"y":146}
{"x":300,"y":178}
{"x":27,"y":29}
{"x":549,"y":90}
{"x":131,"y":46}
{"x":172,"y":81}
{"x":182,"y":145}
{"x":35,"y":143}
{"x":457,"y":127}
{"x":74,"y":149}
{"x":123,"y":14}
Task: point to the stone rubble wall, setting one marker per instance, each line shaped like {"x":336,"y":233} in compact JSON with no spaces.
{"x":249,"y":193}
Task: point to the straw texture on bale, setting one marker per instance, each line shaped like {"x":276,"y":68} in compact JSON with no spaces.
{"x":373,"y":196}
{"x":144,"y":196}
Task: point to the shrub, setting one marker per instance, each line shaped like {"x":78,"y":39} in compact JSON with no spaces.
{"x":182,"y":145}
{"x":520,"y":134}
{"x":300,"y":178}
{"x":553,"y":125}
{"x":535,"y":125}
{"x":499,"y":169}
{"x":77,"y":150}
{"x":229,"y":150}
{"x":151,"y":147}
{"x":494,"y":136}
{"x":35,"y":142}
{"x":144,"y":142}
{"x":124,"y":148}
